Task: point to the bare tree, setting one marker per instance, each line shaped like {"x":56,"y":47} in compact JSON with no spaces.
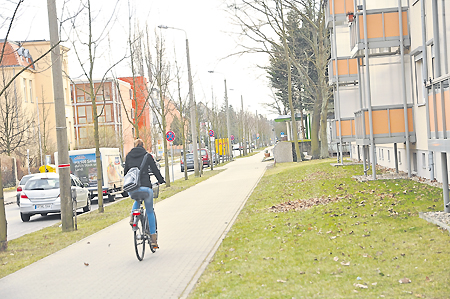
{"x":5,"y":93}
{"x":90,"y":46}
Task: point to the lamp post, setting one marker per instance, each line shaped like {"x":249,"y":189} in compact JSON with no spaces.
{"x":230,"y":156}
{"x":191,"y":102}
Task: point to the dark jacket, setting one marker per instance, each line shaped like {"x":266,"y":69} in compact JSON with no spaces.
{"x":134,"y":159}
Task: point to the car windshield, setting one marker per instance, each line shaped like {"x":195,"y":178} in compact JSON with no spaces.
{"x":203,"y":153}
{"x":189,"y":156}
{"x":42,"y":184}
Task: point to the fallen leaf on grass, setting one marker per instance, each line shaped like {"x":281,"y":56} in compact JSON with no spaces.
{"x":345,"y":263}
{"x":405,"y":280}
{"x":336,"y":259}
{"x":280,"y":280}
{"x":361,"y":286}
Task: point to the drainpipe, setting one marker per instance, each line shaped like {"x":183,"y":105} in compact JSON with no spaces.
{"x":403,"y":88}
{"x":436,"y":39}
{"x":367,"y":87}
{"x":338,"y":100}
{"x":424,"y":89}
{"x":444,"y":37}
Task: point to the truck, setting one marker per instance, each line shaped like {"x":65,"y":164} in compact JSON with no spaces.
{"x":83,"y":165}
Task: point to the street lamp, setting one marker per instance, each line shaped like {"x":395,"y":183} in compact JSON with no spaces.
{"x":191,"y":102}
{"x":228,"y":114}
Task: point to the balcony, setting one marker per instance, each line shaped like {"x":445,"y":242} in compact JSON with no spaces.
{"x":388,"y":125}
{"x":347,"y":70}
{"x":341,"y":8}
{"x":383,"y":32}
{"x":348,"y":130}
{"x":439,"y":114}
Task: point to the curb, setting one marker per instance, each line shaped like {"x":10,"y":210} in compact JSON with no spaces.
{"x":434,"y":221}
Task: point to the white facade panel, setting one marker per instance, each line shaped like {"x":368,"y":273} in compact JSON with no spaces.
{"x":343,"y":41}
{"x":349,"y":100}
{"x":381,"y":4}
{"x":386,"y":80}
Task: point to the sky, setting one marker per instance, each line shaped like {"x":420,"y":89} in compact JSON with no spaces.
{"x":209,"y":28}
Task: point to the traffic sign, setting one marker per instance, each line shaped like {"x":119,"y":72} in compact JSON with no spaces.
{"x":282,"y":134}
{"x":170,"y":136}
{"x":232,"y":137}
{"x":211,"y":133}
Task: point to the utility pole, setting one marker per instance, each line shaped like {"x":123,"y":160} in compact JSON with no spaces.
{"x":60,"y":117}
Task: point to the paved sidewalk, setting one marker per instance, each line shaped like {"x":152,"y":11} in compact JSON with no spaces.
{"x":191,"y":225}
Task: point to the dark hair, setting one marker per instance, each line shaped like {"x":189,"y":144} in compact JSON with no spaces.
{"x":138,"y":142}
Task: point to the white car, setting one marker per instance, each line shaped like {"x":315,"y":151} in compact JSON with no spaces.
{"x":41,"y":195}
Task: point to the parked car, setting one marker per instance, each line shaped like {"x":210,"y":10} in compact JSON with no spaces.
{"x":41,"y":195}
{"x":203,"y":152}
{"x":189,"y":162}
{"x":20,"y":186}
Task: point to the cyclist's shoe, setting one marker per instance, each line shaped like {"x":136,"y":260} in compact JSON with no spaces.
{"x":153,"y":241}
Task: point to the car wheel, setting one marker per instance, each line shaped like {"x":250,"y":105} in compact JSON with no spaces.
{"x":25,"y":217}
{"x":124,"y":194}
{"x":87,"y":208}
{"x":43,"y":214}
{"x":111,"y":197}
{"x":18,"y":200}
{"x":182,"y":169}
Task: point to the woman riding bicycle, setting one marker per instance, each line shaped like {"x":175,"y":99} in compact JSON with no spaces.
{"x":134,"y":159}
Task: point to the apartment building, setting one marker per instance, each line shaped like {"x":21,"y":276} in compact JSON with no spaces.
{"x":32,"y":91}
{"x":390,"y":80}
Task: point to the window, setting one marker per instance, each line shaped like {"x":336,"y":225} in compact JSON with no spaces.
{"x":25,"y":90}
{"x":131,"y":93}
{"x":424,"y":161}
{"x":83,"y":133}
{"x":414,"y":162}
{"x":31,"y":90}
{"x":399,"y":157}
{"x":80,"y":99}
{"x":82,"y":114}
{"x":389,"y":156}
{"x":99,"y":98}
{"x":419,"y":86}
{"x":82,"y":111}
{"x":89,"y":114}
{"x":108,"y":113}
{"x":382,"y":154}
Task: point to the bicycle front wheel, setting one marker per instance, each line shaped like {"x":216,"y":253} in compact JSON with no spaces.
{"x":139,"y":238}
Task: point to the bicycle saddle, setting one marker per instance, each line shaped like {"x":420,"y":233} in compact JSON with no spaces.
{"x":139,"y":195}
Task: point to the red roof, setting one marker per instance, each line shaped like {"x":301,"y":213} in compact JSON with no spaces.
{"x":15,"y":55}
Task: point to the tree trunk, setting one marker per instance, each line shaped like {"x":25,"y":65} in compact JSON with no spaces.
{"x":3,"y":227}
{"x":315,"y":126}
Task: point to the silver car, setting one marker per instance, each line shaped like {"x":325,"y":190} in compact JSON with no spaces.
{"x":41,"y":195}
{"x":20,"y":186}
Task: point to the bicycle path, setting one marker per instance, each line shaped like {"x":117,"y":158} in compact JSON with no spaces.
{"x":191,"y":226}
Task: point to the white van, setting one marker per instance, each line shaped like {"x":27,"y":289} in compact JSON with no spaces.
{"x":83,"y":165}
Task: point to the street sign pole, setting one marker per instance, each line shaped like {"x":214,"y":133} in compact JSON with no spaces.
{"x":173,"y":175}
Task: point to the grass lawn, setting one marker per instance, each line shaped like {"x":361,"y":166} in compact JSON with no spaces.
{"x":351,"y":239}
{"x":32,"y":247}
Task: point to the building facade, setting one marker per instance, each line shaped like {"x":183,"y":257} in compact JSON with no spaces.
{"x":32,"y":91}
{"x":389,"y":74}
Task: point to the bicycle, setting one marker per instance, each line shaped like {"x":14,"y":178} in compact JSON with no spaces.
{"x":140,"y":227}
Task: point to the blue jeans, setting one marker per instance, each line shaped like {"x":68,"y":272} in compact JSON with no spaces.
{"x":148,"y":202}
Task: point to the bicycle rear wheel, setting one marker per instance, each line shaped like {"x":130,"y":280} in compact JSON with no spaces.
{"x":139,"y":238}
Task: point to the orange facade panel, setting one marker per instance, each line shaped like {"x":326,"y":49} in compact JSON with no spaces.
{"x":447,"y":109}
{"x":340,"y":6}
{"x":391,"y":24}
{"x":382,"y":25}
{"x":348,"y":128}
{"x":346,"y":67}
{"x":380,"y":122}
{"x":431,"y":112}
{"x":397,"y":120}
